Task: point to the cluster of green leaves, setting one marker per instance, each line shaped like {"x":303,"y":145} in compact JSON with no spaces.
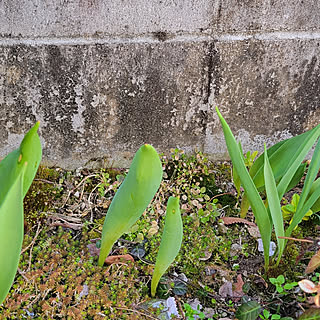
{"x":17,"y":171}
{"x":281,"y":285}
{"x":276,"y":171}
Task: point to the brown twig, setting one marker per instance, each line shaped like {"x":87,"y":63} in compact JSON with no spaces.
{"x":180,"y":307}
{"x":76,"y":187}
{"x":295,"y":239}
{"x":44,"y":180}
{"x":22,"y":275}
{"x":32,"y":244}
{"x":221,"y":194}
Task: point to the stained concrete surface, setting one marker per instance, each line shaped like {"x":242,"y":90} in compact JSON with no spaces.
{"x":105,"y":77}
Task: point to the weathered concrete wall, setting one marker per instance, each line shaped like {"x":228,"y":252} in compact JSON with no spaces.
{"x":106,"y":76}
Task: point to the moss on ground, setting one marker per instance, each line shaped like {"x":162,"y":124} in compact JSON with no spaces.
{"x":58,"y":275}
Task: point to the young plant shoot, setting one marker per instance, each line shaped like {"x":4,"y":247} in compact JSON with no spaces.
{"x":278,"y":170}
{"x":17,"y":171}
{"x":170,"y":242}
{"x":134,"y":195}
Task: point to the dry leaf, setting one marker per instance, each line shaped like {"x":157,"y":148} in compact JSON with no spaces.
{"x":226,"y":290}
{"x":307,"y":286}
{"x":237,"y":292}
{"x":317,"y":300}
{"x":93,"y":250}
{"x":119,"y":259}
{"x":207,"y":255}
{"x":231,"y":220}
{"x":314,"y":263}
{"x":254,"y":232}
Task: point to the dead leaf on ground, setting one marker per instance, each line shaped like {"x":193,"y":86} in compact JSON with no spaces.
{"x":119,"y":259}
{"x":259,"y":280}
{"x":237,"y":292}
{"x":232,"y":290}
{"x":207,"y":255}
{"x":93,"y":250}
{"x":254,"y":231}
{"x":314,"y":263}
{"x":226,"y":290}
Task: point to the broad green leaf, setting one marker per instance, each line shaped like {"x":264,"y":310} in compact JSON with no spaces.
{"x":248,"y":311}
{"x":11,"y":166}
{"x":259,"y":210}
{"x":311,"y":314}
{"x":11,"y":233}
{"x":295,"y":180}
{"x":281,"y":156}
{"x":132,"y":198}
{"x":256,"y":171}
{"x":311,"y":176}
{"x":235,"y":176}
{"x":170,"y":242}
{"x":307,"y":199}
{"x":273,"y":203}
{"x":311,"y":200}
{"x":297,"y":159}
{"x":297,"y":176}
{"x":316,"y":185}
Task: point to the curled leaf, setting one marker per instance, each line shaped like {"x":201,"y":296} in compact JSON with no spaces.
{"x":307,"y":286}
{"x":314,"y":263}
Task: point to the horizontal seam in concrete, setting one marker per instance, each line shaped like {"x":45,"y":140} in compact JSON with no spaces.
{"x":222,"y":37}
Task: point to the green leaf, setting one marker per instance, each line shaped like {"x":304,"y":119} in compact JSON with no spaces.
{"x":170,"y":242}
{"x":132,"y":198}
{"x":273,"y":203}
{"x":311,"y":314}
{"x":11,"y":233}
{"x":248,"y":311}
{"x":306,"y":200}
{"x":281,"y":156}
{"x":297,"y":159}
{"x":11,"y":166}
{"x":235,"y":176}
{"x":315,"y":186}
{"x":180,"y":288}
{"x":259,"y":210}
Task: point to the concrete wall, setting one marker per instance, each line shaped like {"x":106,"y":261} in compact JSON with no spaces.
{"x":105,"y":77}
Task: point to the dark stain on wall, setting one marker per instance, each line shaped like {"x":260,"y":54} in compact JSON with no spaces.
{"x":308,"y":94}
